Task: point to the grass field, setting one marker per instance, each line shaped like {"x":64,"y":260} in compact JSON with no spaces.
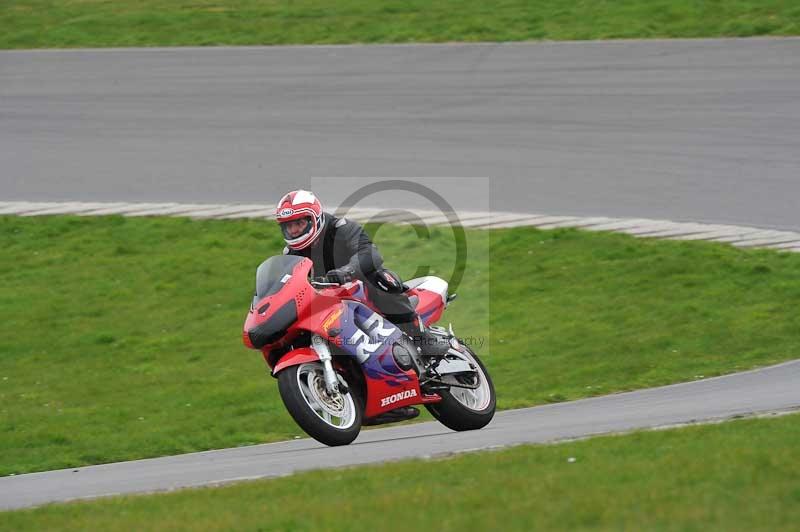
{"x":741,"y":475}
{"x":98,"y":23}
{"x":120,"y":338}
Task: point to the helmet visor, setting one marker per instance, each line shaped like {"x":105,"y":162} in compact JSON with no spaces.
{"x":294,"y":229}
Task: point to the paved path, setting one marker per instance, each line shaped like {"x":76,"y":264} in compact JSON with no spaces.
{"x":684,"y":130}
{"x":769,"y":389}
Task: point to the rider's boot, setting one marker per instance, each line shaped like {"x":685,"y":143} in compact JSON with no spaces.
{"x":428,"y":344}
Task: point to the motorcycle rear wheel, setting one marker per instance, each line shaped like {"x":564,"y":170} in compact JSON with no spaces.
{"x":332,"y":420}
{"x":464,"y":409}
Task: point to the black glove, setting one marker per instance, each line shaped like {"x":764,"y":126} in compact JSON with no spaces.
{"x":340,"y":275}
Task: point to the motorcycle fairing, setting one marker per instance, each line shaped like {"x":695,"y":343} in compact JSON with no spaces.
{"x":359,"y":331}
{"x":430,"y":294}
{"x":298,"y":356}
{"x":369,"y":337}
{"x":273,"y":298}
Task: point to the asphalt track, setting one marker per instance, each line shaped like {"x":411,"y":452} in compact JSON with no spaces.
{"x":683,"y":130}
{"x":771,"y":389}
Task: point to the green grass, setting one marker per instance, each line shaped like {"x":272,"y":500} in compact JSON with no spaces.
{"x":740,"y":475}
{"x":84,"y":23}
{"x":120,"y":338}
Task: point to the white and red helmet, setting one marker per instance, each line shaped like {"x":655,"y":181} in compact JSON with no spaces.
{"x":297,"y":205}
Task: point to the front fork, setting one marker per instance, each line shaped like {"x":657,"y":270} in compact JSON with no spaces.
{"x":320,"y":346}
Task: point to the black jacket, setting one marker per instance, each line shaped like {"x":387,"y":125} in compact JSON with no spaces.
{"x":343,"y":242}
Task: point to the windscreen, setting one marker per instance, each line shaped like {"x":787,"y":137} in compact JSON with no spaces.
{"x":273,"y":274}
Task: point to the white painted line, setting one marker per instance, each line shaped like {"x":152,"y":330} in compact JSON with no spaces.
{"x":160,"y":210}
{"x":551,"y":222}
{"x":785,"y":245}
{"x":722,"y":232}
{"x":110,"y":208}
{"x":65,"y":208}
{"x":363,"y":218}
{"x":488,"y":218}
{"x":525,"y":222}
{"x":219,"y":212}
{"x":670,"y":227}
{"x":500,"y":219}
{"x":650,"y":228}
{"x":687,"y":237}
{"x":755,"y":235}
{"x":461,"y":44}
{"x":675,"y":235}
{"x":400,"y":215}
{"x":459,"y":218}
{"x":25,"y":206}
{"x":543,"y":222}
{"x":356,"y":212}
{"x":475,"y":219}
{"x":638,"y":227}
{"x":579,"y":223}
{"x":59,"y":208}
{"x":788,"y":238}
{"x":429,"y":220}
{"x":166,"y":209}
{"x":679,"y":230}
{"x":266,"y":212}
{"x":627,"y":224}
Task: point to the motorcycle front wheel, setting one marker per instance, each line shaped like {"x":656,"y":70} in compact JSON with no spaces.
{"x":466,"y":408}
{"x":332,"y":419}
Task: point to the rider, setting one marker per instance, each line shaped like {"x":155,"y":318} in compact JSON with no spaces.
{"x":343,"y":249}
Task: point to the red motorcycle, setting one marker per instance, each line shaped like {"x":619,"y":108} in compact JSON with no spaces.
{"x":340,"y":363}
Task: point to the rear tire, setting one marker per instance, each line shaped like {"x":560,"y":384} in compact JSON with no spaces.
{"x":330,"y":420}
{"x":463,"y":409}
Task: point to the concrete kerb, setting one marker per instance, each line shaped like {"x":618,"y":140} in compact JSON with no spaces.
{"x":639,"y":227}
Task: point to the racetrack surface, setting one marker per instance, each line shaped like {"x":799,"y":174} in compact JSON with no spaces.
{"x":683,"y":130}
{"x":769,"y":389}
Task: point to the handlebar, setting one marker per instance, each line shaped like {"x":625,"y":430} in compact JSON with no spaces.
{"x":322,"y":282}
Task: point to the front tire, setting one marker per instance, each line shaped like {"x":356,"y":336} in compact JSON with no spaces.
{"x":332,"y":420}
{"x":465,"y":409}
